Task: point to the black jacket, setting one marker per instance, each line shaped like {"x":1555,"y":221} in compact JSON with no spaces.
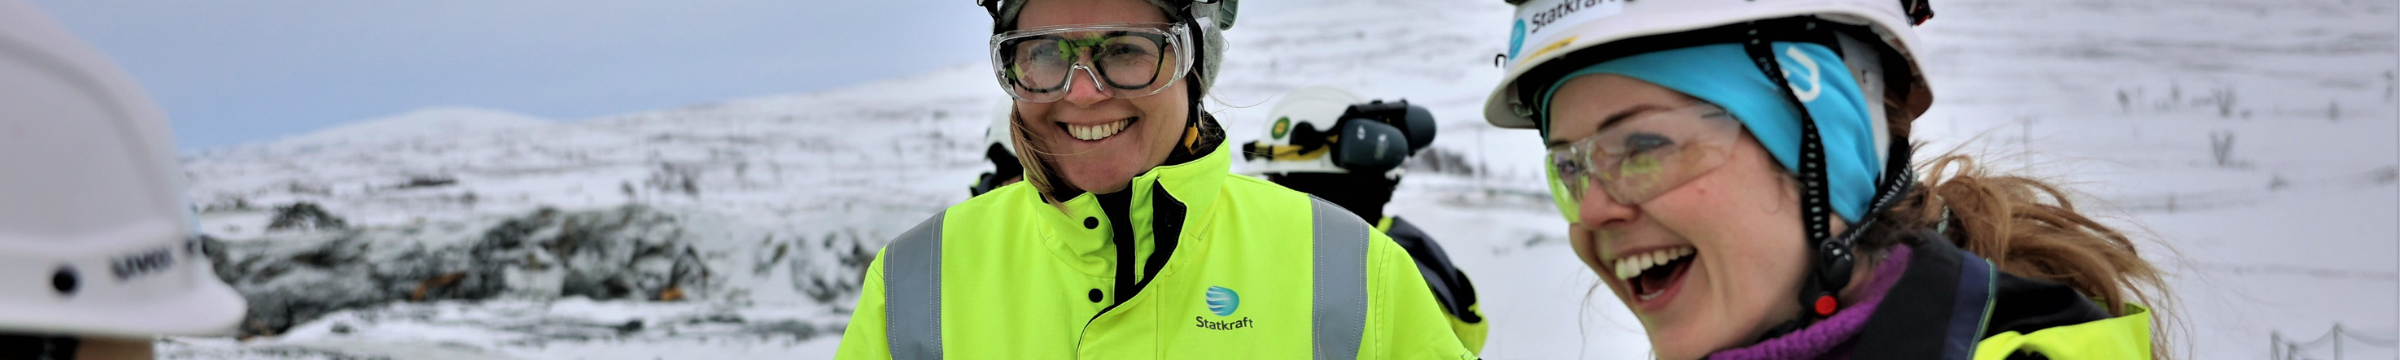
{"x":1450,"y":286}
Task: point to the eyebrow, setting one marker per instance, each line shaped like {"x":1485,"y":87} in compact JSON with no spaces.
{"x":1619,"y":116}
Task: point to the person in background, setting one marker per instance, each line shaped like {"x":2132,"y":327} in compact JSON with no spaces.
{"x":98,"y":252}
{"x":1001,"y":152}
{"x":1331,"y":144}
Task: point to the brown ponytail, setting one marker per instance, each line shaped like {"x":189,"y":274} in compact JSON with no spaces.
{"x":2031,"y":228}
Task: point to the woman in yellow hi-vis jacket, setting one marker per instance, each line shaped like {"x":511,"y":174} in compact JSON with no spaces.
{"x":1738,"y":174}
{"x":1130,"y":237}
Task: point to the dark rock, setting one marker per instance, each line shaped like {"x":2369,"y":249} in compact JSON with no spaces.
{"x":304,"y":216}
{"x":629,"y":252}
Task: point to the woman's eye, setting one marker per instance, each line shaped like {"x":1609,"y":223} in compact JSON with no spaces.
{"x":1037,"y":51}
{"x":1645,"y":142}
{"x":1120,"y":51}
{"x":1565,"y":165}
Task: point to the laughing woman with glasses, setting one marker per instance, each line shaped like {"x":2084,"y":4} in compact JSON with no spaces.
{"x":1738,"y":173}
{"x":1130,"y":238}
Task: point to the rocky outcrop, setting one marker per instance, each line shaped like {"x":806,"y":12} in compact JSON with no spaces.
{"x":630,"y":252}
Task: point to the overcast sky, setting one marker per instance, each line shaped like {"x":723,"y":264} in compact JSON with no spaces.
{"x":234,"y":71}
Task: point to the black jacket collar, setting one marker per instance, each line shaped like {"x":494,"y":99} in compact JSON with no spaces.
{"x":1949,"y":299}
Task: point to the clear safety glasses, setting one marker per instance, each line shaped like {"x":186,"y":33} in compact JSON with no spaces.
{"x":1122,"y":60}
{"x":1639,"y":158}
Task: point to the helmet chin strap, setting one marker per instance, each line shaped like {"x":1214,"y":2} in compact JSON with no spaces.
{"x":1833,"y":255}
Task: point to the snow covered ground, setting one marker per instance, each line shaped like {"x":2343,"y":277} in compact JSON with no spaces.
{"x":2251,"y":144}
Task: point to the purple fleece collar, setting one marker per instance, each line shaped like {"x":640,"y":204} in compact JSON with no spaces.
{"x":1828,"y":339}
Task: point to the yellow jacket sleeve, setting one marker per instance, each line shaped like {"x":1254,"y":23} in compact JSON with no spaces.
{"x":864,"y":338}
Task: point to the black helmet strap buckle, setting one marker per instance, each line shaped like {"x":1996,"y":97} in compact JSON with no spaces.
{"x":1834,"y":254}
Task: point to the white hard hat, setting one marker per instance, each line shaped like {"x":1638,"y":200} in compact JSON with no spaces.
{"x":95,"y":238}
{"x":1586,"y":30}
{"x":1315,"y":109}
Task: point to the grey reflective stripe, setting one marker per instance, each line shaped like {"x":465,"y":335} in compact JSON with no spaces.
{"x":1340,"y":281}
{"x":912,"y":292}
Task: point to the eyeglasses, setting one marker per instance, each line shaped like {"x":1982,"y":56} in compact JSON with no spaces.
{"x":1123,"y":60}
{"x":1637,"y":159}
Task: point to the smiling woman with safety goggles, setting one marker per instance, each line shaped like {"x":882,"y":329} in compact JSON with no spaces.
{"x":1130,"y":237}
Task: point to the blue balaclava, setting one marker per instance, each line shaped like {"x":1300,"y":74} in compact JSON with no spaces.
{"x":1722,"y":74}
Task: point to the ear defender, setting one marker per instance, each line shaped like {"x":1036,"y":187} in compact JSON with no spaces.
{"x":1414,"y":121}
{"x":1377,"y":136}
{"x":1370,"y":147}
{"x":1420,"y":127}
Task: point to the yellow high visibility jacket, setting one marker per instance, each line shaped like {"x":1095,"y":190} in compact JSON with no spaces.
{"x":1213,"y":265}
{"x":2122,"y":337}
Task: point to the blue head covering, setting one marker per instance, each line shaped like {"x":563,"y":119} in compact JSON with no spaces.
{"x":1722,"y":74}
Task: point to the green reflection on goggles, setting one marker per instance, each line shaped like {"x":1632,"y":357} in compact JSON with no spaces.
{"x":1067,"y":47}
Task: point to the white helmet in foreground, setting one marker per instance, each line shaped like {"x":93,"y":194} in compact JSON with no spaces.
{"x":95,"y":239}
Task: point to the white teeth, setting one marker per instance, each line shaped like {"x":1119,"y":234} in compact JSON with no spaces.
{"x":1096,"y":132}
{"x":1633,"y":265}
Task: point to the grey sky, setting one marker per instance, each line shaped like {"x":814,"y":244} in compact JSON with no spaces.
{"x":238,"y":71}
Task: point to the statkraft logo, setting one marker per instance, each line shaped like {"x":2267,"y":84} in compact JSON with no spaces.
{"x":1568,"y":10}
{"x":1245,"y":322}
{"x":1223,"y":301}
{"x":1516,"y":39}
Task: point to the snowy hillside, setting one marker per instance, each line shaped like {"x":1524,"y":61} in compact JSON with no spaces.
{"x":755,"y":214}
{"x":2252,"y":141}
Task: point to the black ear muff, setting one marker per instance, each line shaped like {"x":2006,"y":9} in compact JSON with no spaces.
{"x":1413,"y":121}
{"x":1420,"y":127}
{"x":1370,"y":147}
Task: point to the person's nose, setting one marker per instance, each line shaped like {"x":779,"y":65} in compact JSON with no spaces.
{"x":1597,"y":209}
{"x":1087,"y":92}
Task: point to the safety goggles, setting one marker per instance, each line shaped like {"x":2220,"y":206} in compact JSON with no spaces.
{"x":1122,"y":60}
{"x":1636,"y":159}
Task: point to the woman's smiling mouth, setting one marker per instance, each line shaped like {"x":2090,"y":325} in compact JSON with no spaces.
{"x":1096,"y":132}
